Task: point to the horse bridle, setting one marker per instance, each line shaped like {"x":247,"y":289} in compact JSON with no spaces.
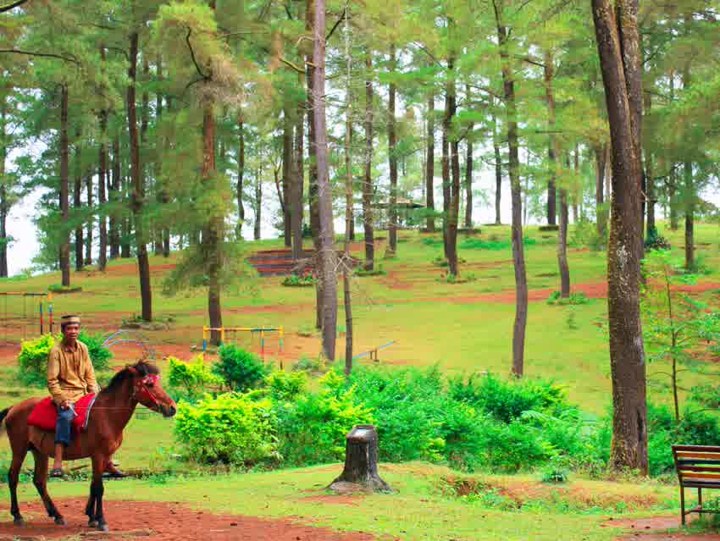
{"x":141,"y":390}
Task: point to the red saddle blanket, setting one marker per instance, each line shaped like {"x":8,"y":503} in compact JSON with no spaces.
{"x":44,"y":414}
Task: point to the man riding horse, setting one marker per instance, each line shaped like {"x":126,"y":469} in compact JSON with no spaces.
{"x":70,"y":376}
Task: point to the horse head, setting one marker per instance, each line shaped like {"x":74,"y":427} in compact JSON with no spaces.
{"x":147,"y":390}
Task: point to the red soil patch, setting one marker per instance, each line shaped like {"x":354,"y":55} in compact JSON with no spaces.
{"x":334,"y":499}
{"x":655,"y":529}
{"x":393,"y":281}
{"x":166,"y":522}
{"x":9,"y":352}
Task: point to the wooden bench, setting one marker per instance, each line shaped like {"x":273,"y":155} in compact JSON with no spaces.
{"x":698,"y":466}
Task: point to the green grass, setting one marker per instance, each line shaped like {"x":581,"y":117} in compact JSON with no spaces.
{"x":420,"y":509}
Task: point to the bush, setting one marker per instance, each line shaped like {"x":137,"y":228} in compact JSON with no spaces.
{"x":34,"y":354}
{"x":286,"y":386}
{"x":229,"y":429}
{"x":312,"y":429}
{"x":33,"y":360}
{"x":191,"y":380}
{"x":239,"y":369}
{"x":573,"y":299}
{"x":493,"y":243}
{"x":99,"y":354}
{"x":296,"y":280}
{"x":655,"y":241}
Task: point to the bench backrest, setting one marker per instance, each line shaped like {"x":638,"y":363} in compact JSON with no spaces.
{"x":697,"y":464}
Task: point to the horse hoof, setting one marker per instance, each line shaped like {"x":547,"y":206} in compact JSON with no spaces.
{"x":60,"y":521}
{"x":19,"y":522}
{"x":92,"y":523}
{"x":103,"y":528}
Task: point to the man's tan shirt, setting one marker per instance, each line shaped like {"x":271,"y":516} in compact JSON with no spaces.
{"x":70,"y":373}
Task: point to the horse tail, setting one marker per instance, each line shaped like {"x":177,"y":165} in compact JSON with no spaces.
{"x":3,"y":414}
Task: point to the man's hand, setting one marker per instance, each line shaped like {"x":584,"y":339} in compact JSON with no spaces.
{"x":65,"y":404}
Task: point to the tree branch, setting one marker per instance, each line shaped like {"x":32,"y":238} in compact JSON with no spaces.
{"x":3,"y":9}
{"x":291,"y":65}
{"x":192,"y":55}
{"x":41,"y":55}
{"x":332,"y":30}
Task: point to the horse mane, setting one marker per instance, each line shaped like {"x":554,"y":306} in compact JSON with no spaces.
{"x":142,"y":368}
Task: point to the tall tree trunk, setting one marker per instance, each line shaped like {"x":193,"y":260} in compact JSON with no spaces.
{"x":445,"y":160}
{"x":600,"y":210}
{"x":77,"y":205}
{"x":619,"y":52}
{"x":498,"y":172}
{"x":689,"y":199}
{"x":367,"y":189}
{"x":430,"y":165}
{"x":64,"y":187}
{"x":521,"y":289}
{"x":468,"y":171}
{"x":138,"y":188}
{"x":454,"y":205}
{"x":392,"y":156}
{"x":4,"y":185}
{"x":553,"y":156}
{"x":312,"y":167}
{"x":328,"y":257}
{"x":299,"y":179}
{"x":287,"y":165}
{"x":347,"y":297}
{"x":90,"y":223}
{"x":258,"y":206}
{"x":114,"y":197}
{"x":241,"y":174}
{"x":102,"y":194}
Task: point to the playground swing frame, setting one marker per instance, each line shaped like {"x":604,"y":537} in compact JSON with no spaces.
{"x":45,"y":298}
{"x":252,"y":330}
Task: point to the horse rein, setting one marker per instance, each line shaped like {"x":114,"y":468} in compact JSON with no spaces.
{"x":141,"y":390}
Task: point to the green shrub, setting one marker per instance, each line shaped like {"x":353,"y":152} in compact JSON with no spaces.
{"x":492,"y":243}
{"x":506,"y":401}
{"x":312,"y":429}
{"x":655,"y":241}
{"x":61,"y":289}
{"x":229,"y":429}
{"x":239,"y":369}
{"x":33,"y":360}
{"x":190,"y":380}
{"x":99,"y":354}
{"x":313,"y":365}
{"x":296,"y":280}
{"x":574,"y":299}
{"x":33,"y":357}
{"x":286,"y":386}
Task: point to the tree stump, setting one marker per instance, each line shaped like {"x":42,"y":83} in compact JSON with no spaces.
{"x":361,"y":461}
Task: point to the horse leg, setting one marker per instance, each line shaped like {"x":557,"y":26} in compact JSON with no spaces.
{"x":97,"y":490}
{"x":40,"y":482}
{"x":13,"y":477}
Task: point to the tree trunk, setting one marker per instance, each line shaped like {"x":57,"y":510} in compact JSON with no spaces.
{"x":600,"y":210}
{"x":77,"y":206}
{"x":114,"y":198}
{"x":328,"y":257}
{"x":689,"y":198}
{"x":521,"y":289}
{"x":258,"y":206}
{"x":102,"y":183}
{"x":294,"y":197}
{"x":454,"y":205}
{"x":241,"y":174}
{"x":430,"y":165}
{"x":90,"y":224}
{"x":468,"y":172}
{"x":553,"y":155}
{"x":367,"y":189}
{"x":312,"y":171}
{"x":287,"y":163}
{"x":64,"y":187}
{"x":619,"y":64}
{"x":446,"y":179}
{"x":392,"y":157}
{"x":138,"y":188}
{"x":361,"y":462}
{"x":649,"y":180}
{"x":498,"y":171}
{"x":4,"y":186}
{"x":299,"y":179}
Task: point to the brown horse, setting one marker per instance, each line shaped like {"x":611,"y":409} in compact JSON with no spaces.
{"x":108,"y":417}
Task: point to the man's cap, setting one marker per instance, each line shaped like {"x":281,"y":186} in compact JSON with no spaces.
{"x":66,"y":320}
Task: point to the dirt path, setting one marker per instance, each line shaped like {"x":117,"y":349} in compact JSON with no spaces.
{"x":164,"y":522}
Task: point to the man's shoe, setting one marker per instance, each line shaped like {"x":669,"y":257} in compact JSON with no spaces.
{"x":113,"y":472}
{"x":58,"y":473}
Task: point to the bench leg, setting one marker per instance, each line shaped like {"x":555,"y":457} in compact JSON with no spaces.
{"x":682,"y":505}
{"x":700,"y":497}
